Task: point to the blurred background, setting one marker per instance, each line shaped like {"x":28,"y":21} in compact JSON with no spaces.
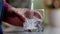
{"x":38,"y":4}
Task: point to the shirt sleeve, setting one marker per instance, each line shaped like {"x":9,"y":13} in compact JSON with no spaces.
{"x":7,"y":6}
{"x":1,"y":7}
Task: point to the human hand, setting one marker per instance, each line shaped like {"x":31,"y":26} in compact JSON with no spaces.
{"x":18,"y":16}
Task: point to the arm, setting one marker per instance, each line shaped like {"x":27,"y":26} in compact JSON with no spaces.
{"x":9,"y":7}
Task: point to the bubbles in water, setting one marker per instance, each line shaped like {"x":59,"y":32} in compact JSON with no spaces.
{"x":33,"y":24}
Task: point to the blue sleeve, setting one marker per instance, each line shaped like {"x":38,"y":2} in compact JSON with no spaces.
{"x":1,"y":8}
{"x":1,"y":32}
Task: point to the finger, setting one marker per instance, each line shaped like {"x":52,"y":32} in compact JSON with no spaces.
{"x":27,"y":14}
{"x":38,"y":14}
{"x":14,"y":21}
{"x":22,"y":10}
{"x":21,"y":13}
{"x":20,"y":16}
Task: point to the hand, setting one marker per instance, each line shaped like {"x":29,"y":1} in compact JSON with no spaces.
{"x":18,"y":16}
{"x":27,"y":13}
{"x":15,"y":17}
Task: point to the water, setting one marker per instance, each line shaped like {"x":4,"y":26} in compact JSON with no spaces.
{"x":32,"y":23}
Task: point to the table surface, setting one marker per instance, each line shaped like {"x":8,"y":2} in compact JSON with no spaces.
{"x":22,"y":33}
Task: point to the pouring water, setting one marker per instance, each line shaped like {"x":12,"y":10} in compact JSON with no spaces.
{"x":32,"y":23}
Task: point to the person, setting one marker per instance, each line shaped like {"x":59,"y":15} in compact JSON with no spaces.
{"x":17,"y":16}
